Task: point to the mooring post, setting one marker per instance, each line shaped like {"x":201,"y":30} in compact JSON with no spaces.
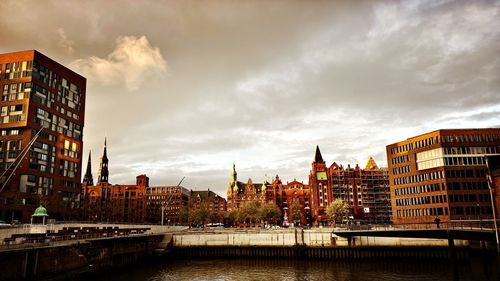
{"x":452,"y":254}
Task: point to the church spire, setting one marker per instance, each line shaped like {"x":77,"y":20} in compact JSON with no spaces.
{"x":88,"y":178}
{"x":318,"y":158}
{"x":234,"y":175}
{"x":103,"y":167}
{"x":232,"y":181}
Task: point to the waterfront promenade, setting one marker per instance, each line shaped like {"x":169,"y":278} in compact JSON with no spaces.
{"x":83,"y":247}
{"x":182,"y":236}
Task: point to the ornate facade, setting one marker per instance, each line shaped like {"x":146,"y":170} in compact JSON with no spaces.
{"x":292,"y":198}
{"x":366,"y":191}
{"x":239,"y":193}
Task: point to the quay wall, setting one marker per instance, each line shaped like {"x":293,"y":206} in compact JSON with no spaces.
{"x":323,"y":253}
{"x":64,"y":260}
{"x":296,"y":237}
{"x":311,"y":244}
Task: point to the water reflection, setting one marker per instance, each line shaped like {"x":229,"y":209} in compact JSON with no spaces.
{"x":255,"y":269}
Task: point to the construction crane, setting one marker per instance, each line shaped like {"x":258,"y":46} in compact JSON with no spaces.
{"x":19,"y":159}
{"x":168,"y":200}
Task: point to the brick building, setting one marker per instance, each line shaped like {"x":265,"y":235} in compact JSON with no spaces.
{"x":213,"y":201}
{"x":441,"y":174}
{"x":286,"y":196}
{"x":215,"y":205}
{"x":169,"y":199}
{"x":39,"y":92}
{"x":321,"y":188}
{"x":240,"y":193}
{"x":366,"y":190}
{"x":113,"y":202}
{"x":493,"y":175}
{"x":297,"y":201}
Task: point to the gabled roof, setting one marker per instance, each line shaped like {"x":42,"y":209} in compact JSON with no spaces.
{"x":371,"y":165}
{"x":204,"y":194}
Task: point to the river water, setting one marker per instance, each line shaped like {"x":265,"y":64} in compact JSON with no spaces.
{"x":477,"y":269}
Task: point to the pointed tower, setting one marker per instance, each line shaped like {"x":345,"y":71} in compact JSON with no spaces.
{"x":103,"y":167}
{"x":321,"y":187}
{"x":234,"y":175}
{"x":318,"y":158}
{"x":88,"y":178}
{"x":232,"y":181}
{"x":232,"y":190}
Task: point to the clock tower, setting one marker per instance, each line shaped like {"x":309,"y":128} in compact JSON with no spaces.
{"x":320,"y":185}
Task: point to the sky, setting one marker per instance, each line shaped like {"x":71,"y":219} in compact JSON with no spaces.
{"x":186,"y":88}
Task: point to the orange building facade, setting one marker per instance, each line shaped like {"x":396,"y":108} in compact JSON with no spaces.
{"x":38,"y":92}
{"x":106,"y":202}
{"x":441,"y":174}
{"x":297,"y":203}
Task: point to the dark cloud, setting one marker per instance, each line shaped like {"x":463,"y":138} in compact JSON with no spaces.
{"x":184,"y":88}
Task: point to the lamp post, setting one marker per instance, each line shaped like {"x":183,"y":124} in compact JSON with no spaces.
{"x":478,"y":215}
{"x":285,"y":217}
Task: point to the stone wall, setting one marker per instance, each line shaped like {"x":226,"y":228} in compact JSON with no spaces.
{"x":294,"y":237}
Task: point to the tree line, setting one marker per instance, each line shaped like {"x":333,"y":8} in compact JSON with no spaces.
{"x":253,"y":213}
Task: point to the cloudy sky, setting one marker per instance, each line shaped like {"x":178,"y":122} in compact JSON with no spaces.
{"x":184,"y":88}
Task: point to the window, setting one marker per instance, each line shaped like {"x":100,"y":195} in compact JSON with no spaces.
{"x":19,"y":69}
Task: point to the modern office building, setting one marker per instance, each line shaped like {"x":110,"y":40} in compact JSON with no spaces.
{"x":40,"y":167}
{"x":441,"y":174}
{"x":366,"y":191}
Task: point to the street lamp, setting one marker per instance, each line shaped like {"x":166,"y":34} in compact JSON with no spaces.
{"x":478,"y":215}
{"x":285,"y":217}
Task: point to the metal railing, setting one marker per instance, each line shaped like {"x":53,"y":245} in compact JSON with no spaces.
{"x":485,"y":225}
{"x":28,"y":240}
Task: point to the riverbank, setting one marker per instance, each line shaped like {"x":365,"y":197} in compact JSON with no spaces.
{"x":72,"y":258}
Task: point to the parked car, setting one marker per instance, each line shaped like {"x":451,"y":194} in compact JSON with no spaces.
{"x":215,"y":225}
{"x":3,"y":224}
